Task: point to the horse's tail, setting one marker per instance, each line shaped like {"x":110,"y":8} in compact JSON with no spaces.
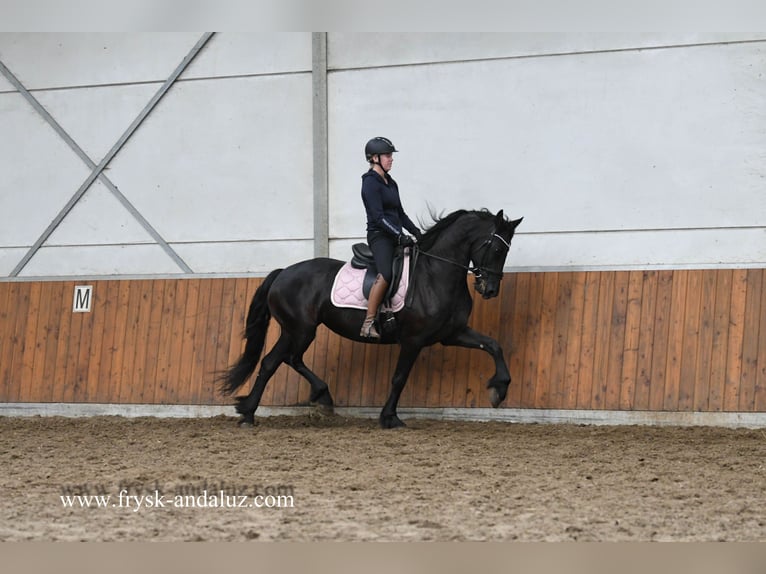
{"x":258,"y":317}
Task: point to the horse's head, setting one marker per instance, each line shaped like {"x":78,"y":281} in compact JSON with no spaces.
{"x":490,"y":254}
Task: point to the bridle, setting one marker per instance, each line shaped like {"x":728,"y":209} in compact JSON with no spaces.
{"x":479,"y":271}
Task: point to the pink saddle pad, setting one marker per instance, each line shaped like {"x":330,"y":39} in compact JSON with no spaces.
{"x":347,"y":288}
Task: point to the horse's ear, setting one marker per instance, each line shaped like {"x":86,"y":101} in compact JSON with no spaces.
{"x":499,"y":216}
{"x":515,"y":222}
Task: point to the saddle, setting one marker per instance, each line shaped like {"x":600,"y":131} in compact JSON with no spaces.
{"x":363,"y":259}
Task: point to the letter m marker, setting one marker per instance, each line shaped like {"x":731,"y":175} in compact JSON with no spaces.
{"x":82,"y":298}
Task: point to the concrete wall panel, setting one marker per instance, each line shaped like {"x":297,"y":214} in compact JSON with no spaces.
{"x":224,"y":161}
{"x":637,"y":140}
{"x":40,"y":173}
{"x":53,"y":60}
{"x":362,"y":50}
{"x":100,"y":260}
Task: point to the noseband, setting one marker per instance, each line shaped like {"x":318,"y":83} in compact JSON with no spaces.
{"x":480,"y":271}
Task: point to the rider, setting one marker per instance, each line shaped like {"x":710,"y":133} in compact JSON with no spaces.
{"x":385,"y":220}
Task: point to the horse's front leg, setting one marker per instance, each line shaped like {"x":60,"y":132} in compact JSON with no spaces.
{"x":498,"y":384}
{"x":407,"y":357}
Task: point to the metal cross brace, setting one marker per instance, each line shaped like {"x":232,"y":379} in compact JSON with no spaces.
{"x":97,"y":170}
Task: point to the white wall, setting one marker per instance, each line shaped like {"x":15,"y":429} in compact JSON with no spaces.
{"x":616,"y":153}
{"x":620,"y":150}
{"x":220,"y":168}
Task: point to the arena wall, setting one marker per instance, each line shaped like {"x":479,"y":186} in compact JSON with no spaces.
{"x":634,"y":284}
{"x":678,"y":341}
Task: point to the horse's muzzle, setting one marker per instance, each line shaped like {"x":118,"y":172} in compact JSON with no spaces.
{"x":485,"y":290}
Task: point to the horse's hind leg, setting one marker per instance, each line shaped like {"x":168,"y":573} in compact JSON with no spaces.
{"x":320,"y":392}
{"x":246,"y":405}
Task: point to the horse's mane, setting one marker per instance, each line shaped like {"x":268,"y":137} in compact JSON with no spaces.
{"x":442,"y":222}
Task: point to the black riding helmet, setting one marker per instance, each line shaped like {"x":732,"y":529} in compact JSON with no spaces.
{"x":377,"y":146}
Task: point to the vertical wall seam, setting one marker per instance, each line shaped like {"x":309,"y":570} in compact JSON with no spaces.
{"x":319,"y":138}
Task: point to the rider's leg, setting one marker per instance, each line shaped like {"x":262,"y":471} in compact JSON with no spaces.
{"x":382,"y":246}
{"x":377,"y":292}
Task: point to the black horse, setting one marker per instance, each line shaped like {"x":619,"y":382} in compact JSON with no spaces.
{"x":437,"y":311}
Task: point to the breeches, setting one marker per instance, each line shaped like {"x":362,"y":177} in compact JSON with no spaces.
{"x":382,"y":246}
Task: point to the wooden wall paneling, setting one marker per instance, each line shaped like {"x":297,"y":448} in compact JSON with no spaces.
{"x":662,"y":321}
{"x":54,"y":372}
{"x":615,"y":354}
{"x":72,"y":390}
{"x":207,"y":338}
{"x":355,"y":373}
{"x":518,"y":340}
{"x":60,"y":386}
{"x":546,"y":336}
{"x":8,"y":314}
{"x":719,"y":350}
{"x":173,"y":393}
{"x":690,"y":344}
{"x":558,"y":383}
{"x":37,"y":385}
{"x":122,"y":315}
{"x":28,"y":343}
{"x":603,"y":328}
{"x":675,"y":340}
{"x":137,"y":381}
{"x":152,"y":341}
{"x":57,"y":311}
{"x":91,"y":363}
{"x":753,"y":318}
{"x":196,"y":359}
{"x":87,"y":337}
{"x":169,"y":330}
{"x":531,"y":352}
{"x":646,"y":344}
{"x":101,"y":368}
{"x":387,"y":358}
{"x":587,"y":363}
{"x":573,"y":339}
{"x":187,"y":342}
{"x":632,"y":341}
{"x":126,"y":381}
{"x":736,"y":338}
{"x":760,"y":382}
{"x":657,"y":340}
{"x":345,"y":361}
{"x":701,"y":399}
{"x":372,"y":357}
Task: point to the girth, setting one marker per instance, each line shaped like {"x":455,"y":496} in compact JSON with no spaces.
{"x":363,"y":259}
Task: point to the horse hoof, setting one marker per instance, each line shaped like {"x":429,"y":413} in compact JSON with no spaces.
{"x":321,"y":412}
{"x":245,"y":423}
{"x":494,"y":397}
{"x":393,"y":422}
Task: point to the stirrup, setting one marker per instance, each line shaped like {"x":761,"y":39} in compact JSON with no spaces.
{"x":368,"y":329}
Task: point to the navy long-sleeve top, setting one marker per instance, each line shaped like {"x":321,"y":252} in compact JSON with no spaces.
{"x":383,"y":206}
